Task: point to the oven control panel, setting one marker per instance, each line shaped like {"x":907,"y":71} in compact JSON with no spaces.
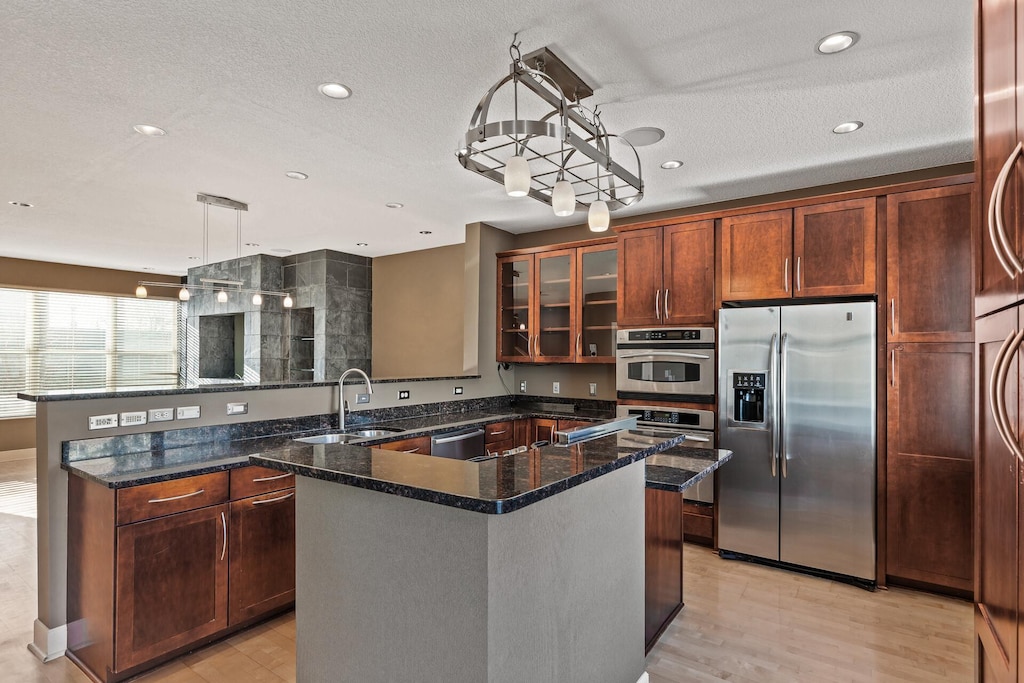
{"x":691,"y":334}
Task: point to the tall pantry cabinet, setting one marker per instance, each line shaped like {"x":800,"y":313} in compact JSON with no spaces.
{"x":999,"y":598}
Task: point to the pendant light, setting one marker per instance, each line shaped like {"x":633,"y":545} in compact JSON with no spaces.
{"x":517,"y":168}
{"x":598,"y":216}
{"x":563,"y":196}
{"x":257,"y":299}
{"x":287,"y":303}
{"x":141,"y":292}
{"x":222,"y":297}
{"x":183,"y":294}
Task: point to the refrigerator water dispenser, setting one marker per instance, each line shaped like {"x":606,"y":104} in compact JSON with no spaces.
{"x":748,"y":397}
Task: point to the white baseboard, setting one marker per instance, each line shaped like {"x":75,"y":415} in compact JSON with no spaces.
{"x":21,"y":454}
{"x":48,"y":643}
{"x":644,"y":678}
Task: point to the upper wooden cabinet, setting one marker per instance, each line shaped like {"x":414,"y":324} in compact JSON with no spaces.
{"x":667,"y":275}
{"x":929,"y":265}
{"x":812,"y":251}
{"x":557,"y":305}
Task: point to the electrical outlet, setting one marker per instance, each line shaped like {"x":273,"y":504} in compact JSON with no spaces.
{"x":593,"y":388}
{"x":362,"y":398}
{"x":134,"y":418}
{"x":238,"y":408}
{"x":187,"y":412}
{"x":402,"y":395}
{"x":555,"y":388}
{"x":102,"y":421}
{"x":522,"y":386}
{"x":161,"y":414}
{"x":458,"y":391}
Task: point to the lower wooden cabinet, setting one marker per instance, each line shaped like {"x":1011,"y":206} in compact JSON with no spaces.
{"x":663,"y":580}
{"x":141,"y":591}
{"x":930,"y":468}
{"x":699,"y":523}
{"x":418,"y":444}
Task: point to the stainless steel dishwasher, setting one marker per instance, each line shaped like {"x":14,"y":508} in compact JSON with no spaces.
{"x":462,"y":444}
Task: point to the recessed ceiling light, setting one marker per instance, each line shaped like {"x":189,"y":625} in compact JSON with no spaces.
{"x":848,"y":127}
{"x":296,"y":175}
{"x":335,"y":91}
{"x":281,"y":251}
{"x":146,"y":129}
{"x":837,"y":42}
{"x":670,"y":165}
{"x":362,"y":244}
{"x":252,"y":244}
{"x":21,"y":204}
{"x":193,"y":258}
{"x":426,"y":232}
{"x":641,"y":137}
{"x":394,"y":205}
{"x":148,"y":268}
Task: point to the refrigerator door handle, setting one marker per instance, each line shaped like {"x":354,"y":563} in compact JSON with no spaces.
{"x":782,"y":398}
{"x":773,"y":362}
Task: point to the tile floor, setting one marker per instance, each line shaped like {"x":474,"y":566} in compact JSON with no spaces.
{"x":742,"y":623}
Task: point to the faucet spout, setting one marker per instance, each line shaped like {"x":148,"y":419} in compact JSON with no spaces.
{"x":342,"y":405}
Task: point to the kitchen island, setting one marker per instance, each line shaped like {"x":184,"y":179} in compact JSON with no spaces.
{"x":525,"y":567}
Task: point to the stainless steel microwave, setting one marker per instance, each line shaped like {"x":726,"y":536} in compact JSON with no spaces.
{"x":666,"y":364}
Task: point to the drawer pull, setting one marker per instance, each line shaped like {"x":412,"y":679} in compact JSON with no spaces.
{"x":224,"y":543}
{"x":503,"y":431}
{"x":414,"y":450}
{"x":184,"y":495}
{"x":280,"y":476}
{"x":274,"y":500}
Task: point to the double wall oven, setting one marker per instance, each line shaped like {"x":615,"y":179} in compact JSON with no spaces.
{"x":671,"y":366}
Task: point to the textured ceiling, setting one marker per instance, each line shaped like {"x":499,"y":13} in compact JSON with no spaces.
{"x":745,"y":100}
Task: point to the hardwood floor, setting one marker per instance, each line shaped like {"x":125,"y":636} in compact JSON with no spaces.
{"x":746,"y":623}
{"x":742,"y":623}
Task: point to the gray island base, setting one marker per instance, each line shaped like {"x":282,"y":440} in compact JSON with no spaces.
{"x":419,"y":569}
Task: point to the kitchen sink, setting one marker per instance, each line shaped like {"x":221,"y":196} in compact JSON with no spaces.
{"x":374,"y":432}
{"x":350,"y":436}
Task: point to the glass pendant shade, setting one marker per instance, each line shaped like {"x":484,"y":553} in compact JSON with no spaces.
{"x":222,"y":296}
{"x":257,"y":299}
{"x":517,"y":177}
{"x":287,"y":301}
{"x":141,"y":292}
{"x":598,"y":217}
{"x":183,"y":294}
{"x":563,"y":198}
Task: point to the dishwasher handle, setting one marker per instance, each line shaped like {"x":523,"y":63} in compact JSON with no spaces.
{"x":458,"y":436}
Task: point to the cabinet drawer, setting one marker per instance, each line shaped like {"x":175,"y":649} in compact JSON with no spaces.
{"x":499,"y":431}
{"x":168,"y":497}
{"x":498,"y":447}
{"x":252,"y":481}
{"x":420,"y":444}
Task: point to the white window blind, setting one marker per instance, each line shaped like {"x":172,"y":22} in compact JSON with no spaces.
{"x":73,"y":342}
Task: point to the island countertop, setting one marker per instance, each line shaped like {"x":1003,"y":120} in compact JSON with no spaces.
{"x":496,"y":486}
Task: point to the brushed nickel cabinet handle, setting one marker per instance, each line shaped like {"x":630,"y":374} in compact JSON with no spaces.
{"x":798,"y":273}
{"x":994,"y":403}
{"x":1011,"y":438}
{"x":184,"y":495}
{"x":785,"y":275}
{"x":579,"y":349}
{"x":1011,"y":264}
{"x":892,"y":365}
{"x":413,"y":450}
{"x":280,"y":476}
{"x":274,"y":500}
{"x":666,"y":303}
{"x":503,"y":431}
{"x":657,"y":304}
{"x":892,"y":317}
{"x":224,"y":542}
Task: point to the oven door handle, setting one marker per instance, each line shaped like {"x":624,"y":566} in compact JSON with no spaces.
{"x":674,"y":354}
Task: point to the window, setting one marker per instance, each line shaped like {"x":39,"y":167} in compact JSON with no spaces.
{"x":80,"y":342}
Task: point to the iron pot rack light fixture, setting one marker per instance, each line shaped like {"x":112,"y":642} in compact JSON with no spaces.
{"x":564,"y":158}
{"x":222,"y":287}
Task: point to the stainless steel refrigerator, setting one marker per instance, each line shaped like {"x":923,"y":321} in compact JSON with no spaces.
{"x":797,"y":392}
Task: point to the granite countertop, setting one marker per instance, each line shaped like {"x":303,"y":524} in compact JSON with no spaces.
{"x":679,"y":468}
{"x":162,"y":464}
{"x":495,"y":486}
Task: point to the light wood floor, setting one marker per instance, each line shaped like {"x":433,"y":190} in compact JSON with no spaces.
{"x":742,"y":623}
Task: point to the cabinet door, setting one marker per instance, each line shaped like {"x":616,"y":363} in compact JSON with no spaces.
{"x":689,"y":272}
{"x":515,"y":326}
{"x":834,"y":247}
{"x":930,"y":285}
{"x":172,"y":582}
{"x":597,"y":298}
{"x":930,"y":480}
{"x":757,"y":254}
{"x":640,"y":280}
{"x":262,"y":555}
{"x":417,"y":444}
{"x":555,"y":307}
{"x":998,"y":136}
{"x":542,"y":429}
{"x":997,"y":526}
{"x":663,"y":566}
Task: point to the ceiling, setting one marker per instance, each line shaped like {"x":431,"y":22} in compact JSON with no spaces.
{"x":746,"y":102}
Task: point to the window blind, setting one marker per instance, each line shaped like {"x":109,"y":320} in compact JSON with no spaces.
{"x":54,"y":341}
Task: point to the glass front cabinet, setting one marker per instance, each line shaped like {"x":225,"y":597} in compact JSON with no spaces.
{"x":557,"y":305}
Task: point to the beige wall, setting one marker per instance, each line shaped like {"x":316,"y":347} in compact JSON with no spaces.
{"x":19,"y":433}
{"x":418,"y":313}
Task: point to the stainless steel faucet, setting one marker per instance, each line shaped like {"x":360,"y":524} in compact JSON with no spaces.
{"x":342,"y":404}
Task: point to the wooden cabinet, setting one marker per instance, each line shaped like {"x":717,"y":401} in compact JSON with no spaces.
{"x":812,"y":251}
{"x":663,"y":566}
{"x":667,"y":275}
{"x":499,"y":437}
{"x":156,"y":569}
{"x":419,"y":444}
{"x":542,"y":429}
{"x":929,"y":265}
{"x":930,"y":477}
{"x":556,"y":304}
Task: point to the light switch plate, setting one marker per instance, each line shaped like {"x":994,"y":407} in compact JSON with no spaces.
{"x":593,"y":388}
{"x":362,"y":398}
{"x":161,"y":414}
{"x":522,"y":386}
{"x":458,"y":391}
{"x":187,"y":412}
{"x":238,"y":408}
{"x":555,"y":388}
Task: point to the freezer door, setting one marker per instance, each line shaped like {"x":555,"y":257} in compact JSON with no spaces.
{"x":748,"y":490}
{"x":827,"y":372}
